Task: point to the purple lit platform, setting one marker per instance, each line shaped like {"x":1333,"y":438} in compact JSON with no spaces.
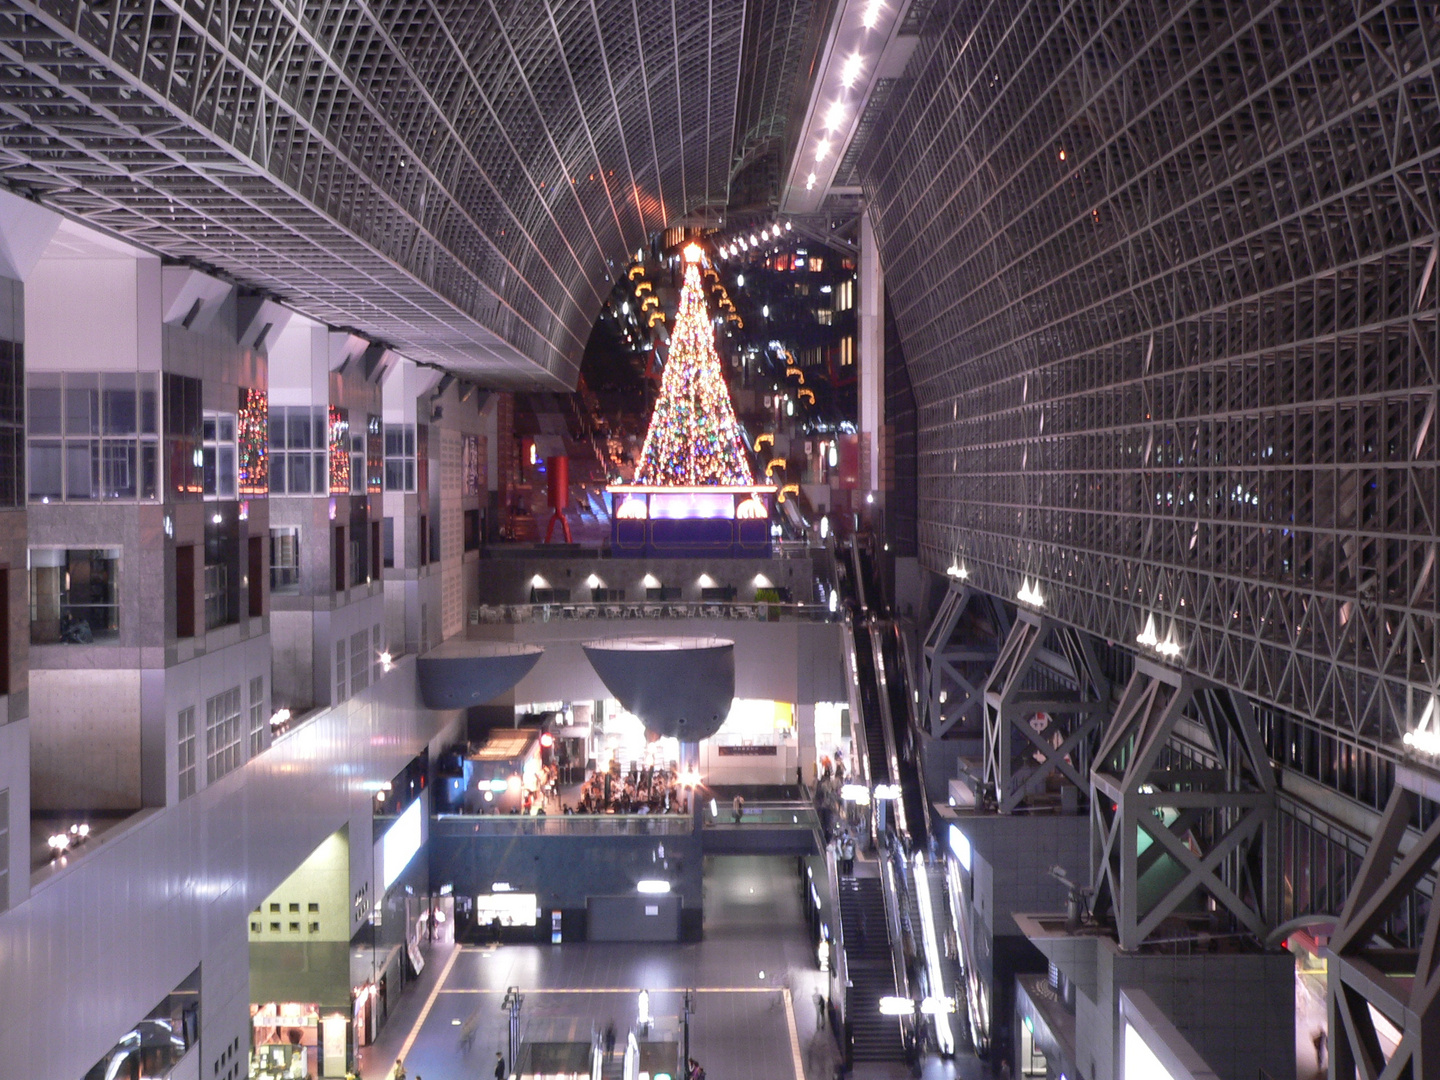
{"x":684,"y":522}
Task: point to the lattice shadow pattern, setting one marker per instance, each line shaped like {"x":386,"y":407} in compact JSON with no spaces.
{"x":458,"y":179}
{"x":1166,"y":280}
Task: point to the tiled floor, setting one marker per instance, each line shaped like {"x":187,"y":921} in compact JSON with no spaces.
{"x":755,"y":948}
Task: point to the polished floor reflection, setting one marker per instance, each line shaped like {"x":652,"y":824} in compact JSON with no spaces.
{"x":754,"y":973}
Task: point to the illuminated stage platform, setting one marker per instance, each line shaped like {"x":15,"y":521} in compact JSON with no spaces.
{"x":687,"y":521}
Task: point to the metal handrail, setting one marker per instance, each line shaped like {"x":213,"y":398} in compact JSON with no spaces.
{"x":889,"y":891}
{"x":841,"y":971}
{"x":756,"y":610}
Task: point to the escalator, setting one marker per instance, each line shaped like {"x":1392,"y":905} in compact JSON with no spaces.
{"x":899,"y":698}
{"x":868,"y":959}
{"x":876,"y":758}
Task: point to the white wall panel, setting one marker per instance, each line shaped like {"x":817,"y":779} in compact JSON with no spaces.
{"x":103,"y":940}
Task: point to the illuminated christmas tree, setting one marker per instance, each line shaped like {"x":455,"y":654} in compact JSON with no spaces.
{"x":693,"y":439}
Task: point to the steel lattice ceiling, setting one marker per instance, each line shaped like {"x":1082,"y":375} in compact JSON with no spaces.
{"x":458,"y":179}
{"x":1166,"y":279}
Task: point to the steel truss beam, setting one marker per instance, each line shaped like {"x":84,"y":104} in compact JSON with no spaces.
{"x":1366,"y":972}
{"x":1167,"y":283}
{"x":955,"y":666}
{"x":1044,"y":700}
{"x":460,"y":180}
{"x":1160,"y":832}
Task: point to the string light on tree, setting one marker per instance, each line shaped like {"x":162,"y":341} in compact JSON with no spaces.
{"x":693,"y":439}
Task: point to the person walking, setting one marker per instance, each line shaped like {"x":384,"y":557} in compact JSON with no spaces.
{"x":609,"y":1039}
{"x":738,"y":806}
{"x":500,"y":1073}
{"x":398,"y":1073}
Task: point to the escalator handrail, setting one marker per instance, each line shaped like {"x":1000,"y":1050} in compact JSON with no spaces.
{"x":887,"y":724}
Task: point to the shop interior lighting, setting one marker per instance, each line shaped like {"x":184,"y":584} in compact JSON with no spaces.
{"x":652,"y":887}
{"x":897,"y":1006}
{"x":859,"y":794}
{"x":887,"y":791}
{"x":834,"y":600}
{"x":502,"y":886}
{"x":937,"y":1007}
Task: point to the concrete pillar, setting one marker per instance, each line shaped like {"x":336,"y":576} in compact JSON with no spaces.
{"x":805,"y":731}
{"x":871,"y":349}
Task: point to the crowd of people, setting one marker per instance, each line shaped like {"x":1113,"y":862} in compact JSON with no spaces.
{"x":827,"y":795}
{"x":649,"y":790}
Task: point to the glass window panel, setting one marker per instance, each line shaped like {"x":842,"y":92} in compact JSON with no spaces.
{"x":322,"y":473}
{"x":45,"y":471}
{"x":395,"y":475}
{"x":320,"y":416}
{"x":121,"y":407}
{"x":149,"y":406}
{"x":44,"y":405}
{"x":409,"y":475}
{"x":298,"y":427}
{"x":119,"y":469}
{"x":207,"y":429}
{"x":299,"y":474}
{"x":409,"y":440}
{"x":149,"y":470}
{"x":82,"y":405}
{"x":226,"y":423}
{"x":208,"y":468}
{"x":82,"y":468}
{"x":278,"y":485}
{"x":394,"y":442}
{"x":225,"y":468}
{"x":277,"y":427}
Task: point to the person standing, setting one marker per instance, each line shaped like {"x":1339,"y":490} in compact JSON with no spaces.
{"x":398,"y":1073}
{"x":500,"y":1073}
{"x":609,"y":1039}
{"x":819,"y":1011}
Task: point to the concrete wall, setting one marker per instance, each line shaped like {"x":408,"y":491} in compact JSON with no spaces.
{"x":321,"y":881}
{"x":85,"y":739}
{"x":563,"y":871}
{"x":508,"y":580}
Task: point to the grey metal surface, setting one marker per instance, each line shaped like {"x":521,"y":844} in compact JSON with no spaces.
{"x":680,"y":687}
{"x":463,"y":673}
{"x":1165,"y":279}
{"x":461,"y":180}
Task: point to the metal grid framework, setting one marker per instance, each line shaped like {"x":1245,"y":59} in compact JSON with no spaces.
{"x":460,"y":180}
{"x":1165,"y":275}
{"x":781,"y":36}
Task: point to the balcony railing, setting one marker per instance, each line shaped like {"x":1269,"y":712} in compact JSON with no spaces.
{"x":643,"y":609}
{"x":564,"y":824}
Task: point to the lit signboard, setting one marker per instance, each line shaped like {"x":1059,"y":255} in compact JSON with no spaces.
{"x":1140,"y":1061}
{"x":960,"y":845}
{"x":400,"y":843}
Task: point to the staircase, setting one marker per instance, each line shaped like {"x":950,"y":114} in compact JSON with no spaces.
{"x":867,"y":957}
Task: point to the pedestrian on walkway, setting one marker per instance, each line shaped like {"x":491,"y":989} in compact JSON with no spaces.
{"x":500,"y":1073}
{"x":398,"y":1073}
{"x":819,"y":1011}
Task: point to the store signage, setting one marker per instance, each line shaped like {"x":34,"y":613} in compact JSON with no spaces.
{"x":748,"y":751}
{"x":400,"y":843}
